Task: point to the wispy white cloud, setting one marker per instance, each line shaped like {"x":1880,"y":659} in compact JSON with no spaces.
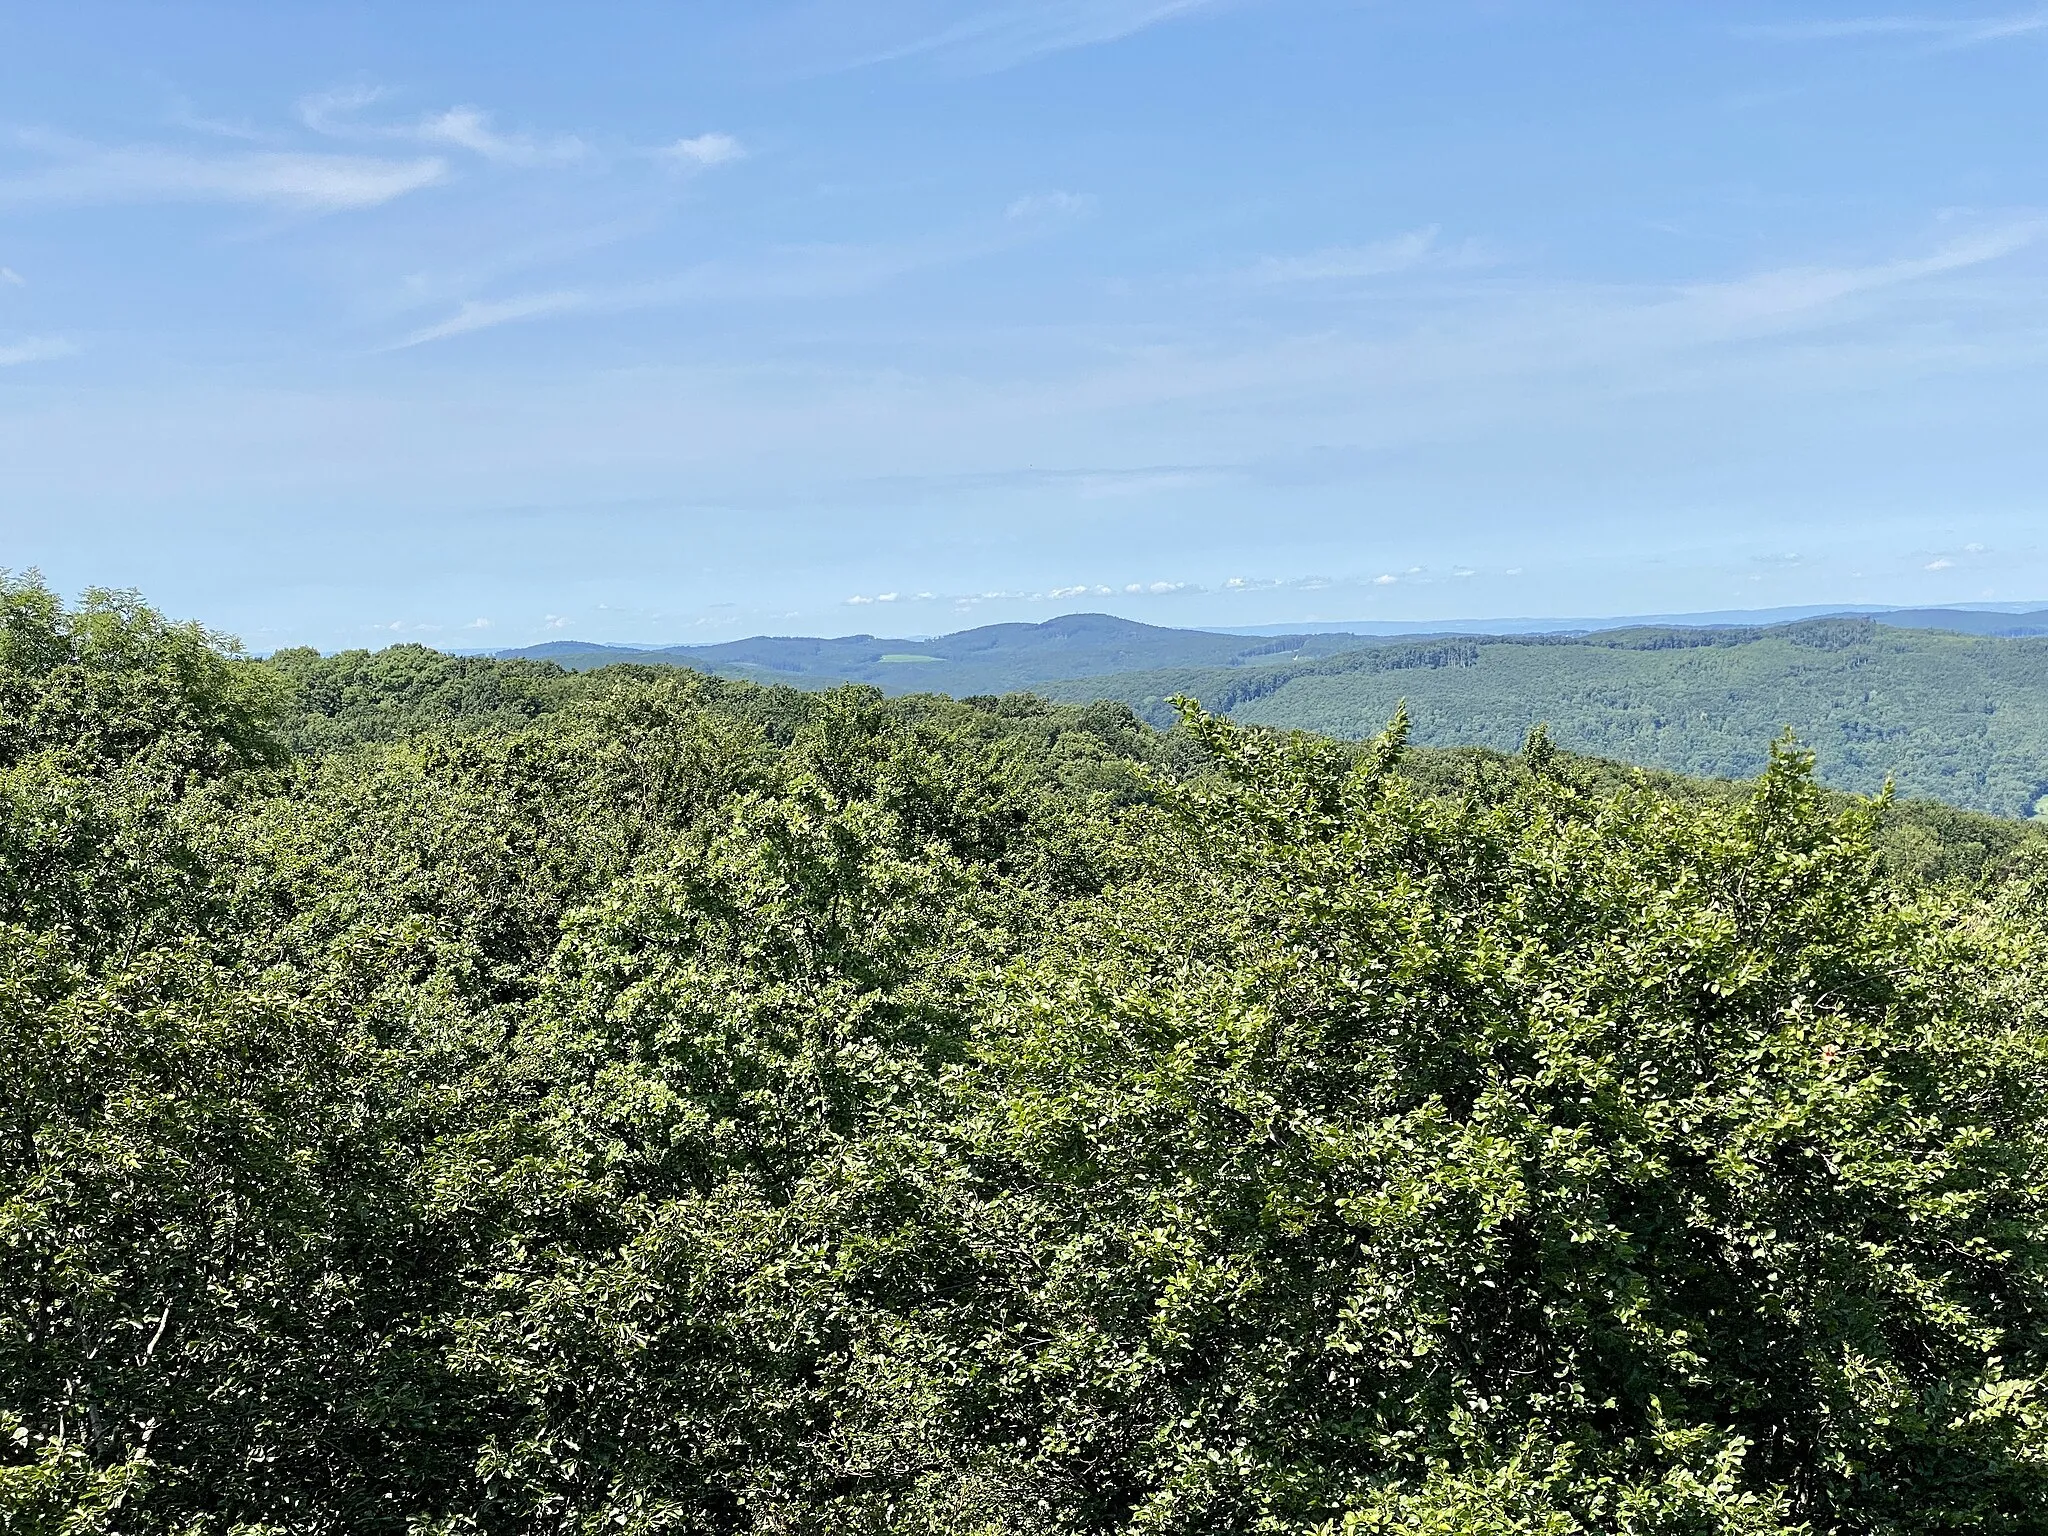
{"x":1406,"y":252}
{"x":1851,"y":26}
{"x":182,"y":114}
{"x":2010,"y":26}
{"x":703,"y":151}
{"x":481,"y":315}
{"x":791,"y":273}
{"x":1051,"y":594}
{"x":988,"y":40}
{"x":37,"y":349}
{"x":470,"y":129}
{"x":309,"y":183}
{"x":1951,"y":31}
{"x":1794,"y":290}
{"x":12,"y":278}
{"x":1049,"y":205}
{"x":334,"y":114}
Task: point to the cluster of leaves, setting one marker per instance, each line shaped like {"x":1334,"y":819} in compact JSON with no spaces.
{"x":640,"y":1102}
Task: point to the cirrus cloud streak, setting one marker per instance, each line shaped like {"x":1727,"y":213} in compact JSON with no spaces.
{"x":301,"y":182}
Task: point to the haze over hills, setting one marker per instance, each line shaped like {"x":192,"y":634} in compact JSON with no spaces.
{"x":997,"y":657}
{"x":1003,"y":658}
{"x":2028,"y":618}
{"x":1950,"y":704}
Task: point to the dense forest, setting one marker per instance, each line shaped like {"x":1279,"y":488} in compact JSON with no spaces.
{"x":459,"y":1095}
{"x":1961,"y":718}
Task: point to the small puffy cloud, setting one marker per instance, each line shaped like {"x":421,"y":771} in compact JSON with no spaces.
{"x":1384,"y":581}
{"x":859,"y":599}
{"x":1944,"y":563}
{"x":1973,"y":549}
{"x":1049,"y":205}
{"x":703,"y":151}
{"x":555,"y":621}
{"x":885,"y":597}
{"x":478,"y":624}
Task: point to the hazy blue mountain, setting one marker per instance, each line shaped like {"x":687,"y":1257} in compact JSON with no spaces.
{"x":1952,"y":703}
{"x":1001,"y":657}
{"x":1967,"y":621}
{"x":996,"y":658}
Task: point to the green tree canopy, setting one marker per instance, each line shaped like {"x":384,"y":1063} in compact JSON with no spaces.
{"x":645,"y":1102}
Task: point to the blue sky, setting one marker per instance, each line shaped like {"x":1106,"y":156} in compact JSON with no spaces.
{"x":482,"y":324}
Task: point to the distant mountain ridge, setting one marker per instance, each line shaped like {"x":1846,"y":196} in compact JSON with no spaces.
{"x":1003,"y":658}
{"x":1950,"y":703}
{"x":995,"y":658}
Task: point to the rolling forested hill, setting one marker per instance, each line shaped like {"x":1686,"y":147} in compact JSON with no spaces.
{"x":1951,"y":717}
{"x":1948,"y":716}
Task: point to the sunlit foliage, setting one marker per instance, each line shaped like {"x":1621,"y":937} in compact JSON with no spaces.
{"x":440,"y":1098}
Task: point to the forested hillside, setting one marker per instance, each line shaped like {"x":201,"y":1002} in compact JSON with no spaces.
{"x":463,"y":1096}
{"x":1951,"y":717}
